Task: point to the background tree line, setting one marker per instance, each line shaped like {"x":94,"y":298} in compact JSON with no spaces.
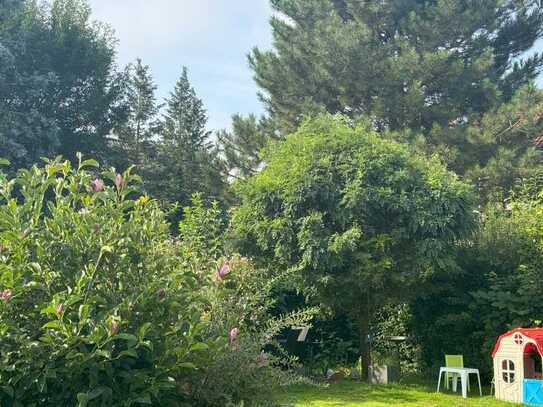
{"x":62,"y":93}
{"x":446,"y":78}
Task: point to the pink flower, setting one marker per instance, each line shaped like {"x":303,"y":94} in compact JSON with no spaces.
{"x":119,"y":181}
{"x":224,"y":270}
{"x":6,"y":295}
{"x":97,"y":185}
{"x":113,"y":327}
{"x":58,"y":310}
{"x":234,"y":335}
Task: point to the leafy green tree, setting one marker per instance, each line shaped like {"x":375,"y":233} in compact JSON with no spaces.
{"x":359,"y":219}
{"x":136,"y":135}
{"x":501,"y":276}
{"x":404,"y":63}
{"x":59,"y":91}
{"x":187,"y":159}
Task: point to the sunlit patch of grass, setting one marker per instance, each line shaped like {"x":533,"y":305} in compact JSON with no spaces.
{"x":351,"y":393}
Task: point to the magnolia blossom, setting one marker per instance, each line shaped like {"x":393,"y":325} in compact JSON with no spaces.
{"x":234,"y":335}
{"x":224,"y":270}
{"x":119,"y":181}
{"x":6,"y":295}
{"x":58,"y":310}
{"x":113,"y":327}
{"x":97,"y":185}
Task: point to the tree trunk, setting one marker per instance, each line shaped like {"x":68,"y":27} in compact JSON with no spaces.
{"x":364,"y":346}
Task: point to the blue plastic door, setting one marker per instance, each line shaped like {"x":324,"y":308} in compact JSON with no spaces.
{"x":533,"y":392}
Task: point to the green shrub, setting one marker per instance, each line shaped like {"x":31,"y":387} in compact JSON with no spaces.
{"x":238,"y":298}
{"x":100,"y":306}
{"x":96,"y":308}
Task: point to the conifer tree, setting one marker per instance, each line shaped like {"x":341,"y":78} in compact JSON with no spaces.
{"x":187,"y":157}
{"x":136,"y":136}
{"x":405,"y":63}
{"x":241,"y":146}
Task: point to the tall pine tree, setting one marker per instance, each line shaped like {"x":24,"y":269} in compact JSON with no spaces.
{"x":405,"y":63}
{"x":137,"y":135}
{"x":187,"y":157}
{"x":241,"y":146}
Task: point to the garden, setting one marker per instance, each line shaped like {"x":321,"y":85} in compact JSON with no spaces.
{"x":374,"y":238}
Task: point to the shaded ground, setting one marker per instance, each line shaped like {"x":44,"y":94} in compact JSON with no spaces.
{"x":351,"y":394}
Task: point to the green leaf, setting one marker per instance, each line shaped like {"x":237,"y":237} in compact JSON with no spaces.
{"x":96,"y":393}
{"x":82,"y":399}
{"x":8,"y":390}
{"x":55,"y":325}
{"x":199,"y":346}
{"x":90,"y":163}
{"x":126,"y":337}
{"x":103,"y":353}
{"x":35,"y":267}
{"x":129,"y":352}
{"x":188,"y":365}
{"x":83,"y":313}
{"x":145,"y":399}
{"x":143,"y":329}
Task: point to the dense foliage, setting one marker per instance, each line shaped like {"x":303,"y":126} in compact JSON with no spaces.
{"x":496,"y":291}
{"x":59,"y":91}
{"x":354,"y":214}
{"x":404,"y":63}
{"x":360,"y":213}
{"x":99,"y":306}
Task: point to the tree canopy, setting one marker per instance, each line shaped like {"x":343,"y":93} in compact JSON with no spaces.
{"x":404,"y":63}
{"x":354,"y":214}
{"x":59,"y":91}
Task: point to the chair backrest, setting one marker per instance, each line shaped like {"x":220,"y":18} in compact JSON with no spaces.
{"x":454,"y":360}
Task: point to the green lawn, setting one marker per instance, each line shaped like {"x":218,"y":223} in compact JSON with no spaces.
{"x":351,"y":394}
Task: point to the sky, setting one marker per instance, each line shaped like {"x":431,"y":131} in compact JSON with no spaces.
{"x":210,"y":37}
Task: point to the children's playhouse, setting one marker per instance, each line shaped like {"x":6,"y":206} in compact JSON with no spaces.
{"x":517,"y":359}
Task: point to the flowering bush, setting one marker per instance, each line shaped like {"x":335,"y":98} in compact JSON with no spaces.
{"x":100,"y":306}
{"x":238,"y":299}
{"x":96,"y":307}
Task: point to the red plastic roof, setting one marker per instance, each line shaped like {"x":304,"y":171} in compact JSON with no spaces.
{"x":533,"y":333}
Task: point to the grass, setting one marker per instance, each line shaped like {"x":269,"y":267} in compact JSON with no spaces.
{"x":350,"y":394}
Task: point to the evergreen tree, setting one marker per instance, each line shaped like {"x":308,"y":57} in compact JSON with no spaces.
{"x":136,"y":136}
{"x":240,"y":147}
{"x":187,"y":158}
{"x":405,"y":63}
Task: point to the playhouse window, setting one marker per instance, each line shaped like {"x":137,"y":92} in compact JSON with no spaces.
{"x":508,"y":371}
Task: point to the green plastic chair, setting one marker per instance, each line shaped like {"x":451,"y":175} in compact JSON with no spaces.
{"x":453,"y":361}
